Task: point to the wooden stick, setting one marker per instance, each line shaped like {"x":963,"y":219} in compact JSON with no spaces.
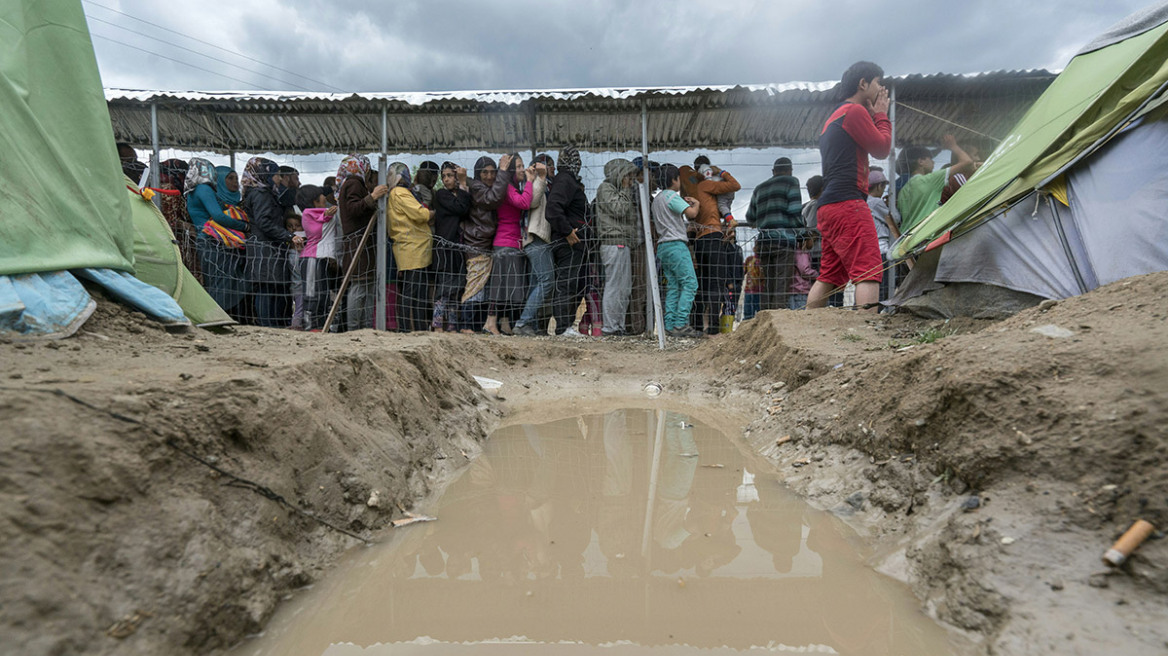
{"x":348,"y":274}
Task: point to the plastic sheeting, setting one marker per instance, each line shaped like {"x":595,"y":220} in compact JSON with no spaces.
{"x":53,"y":305}
{"x":47,"y":305}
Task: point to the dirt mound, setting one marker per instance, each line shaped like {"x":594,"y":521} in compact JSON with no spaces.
{"x":112,"y":519}
{"x":1055,"y":418}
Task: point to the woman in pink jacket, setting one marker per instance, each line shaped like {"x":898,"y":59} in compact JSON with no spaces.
{"x":507,"y":289}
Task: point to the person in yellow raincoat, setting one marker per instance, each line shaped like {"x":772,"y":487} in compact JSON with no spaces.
{"x":413,"y":244}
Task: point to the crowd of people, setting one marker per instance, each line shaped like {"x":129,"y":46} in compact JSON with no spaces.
{"x":515,"y":248}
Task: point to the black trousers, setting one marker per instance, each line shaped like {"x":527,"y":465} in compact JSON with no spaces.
{"x":777,"y":261}
{"x":569,"y":263}
{"x":413,"y":303}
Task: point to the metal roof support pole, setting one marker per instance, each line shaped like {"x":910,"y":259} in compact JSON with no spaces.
{"x":231,"y":161}
{"x":382,"y":238}
{"x":156,"y":159}
{"x":650,"y":252}
{"x":892,"y":176}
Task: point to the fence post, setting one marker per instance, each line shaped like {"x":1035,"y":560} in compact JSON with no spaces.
{"x":892,"y":176}
{"x":156,"y":161}
{"x":382,"y":237}
{"x":650,"y":252}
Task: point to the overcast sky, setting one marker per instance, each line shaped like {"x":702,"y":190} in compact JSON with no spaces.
{"x":523,"y":44}
{"x":527,"y":44}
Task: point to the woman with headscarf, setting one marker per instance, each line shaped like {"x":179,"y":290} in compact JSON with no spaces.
{"x":409,"y":230}
{"x":423,"y":187}
{"x":567,"y":212}
{"x":507,"y":289}
{"x":357,"y":203}
{"x":451,"y":207}
{"x":222,"y":229}
{"x":172,"y":176}
{"x":487,"y":190}
{"x":268,"y":244}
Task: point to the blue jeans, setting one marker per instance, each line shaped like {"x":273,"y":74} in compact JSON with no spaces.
{"x":797,"y":302}
{"x":750,"y":305}
{"x":539,"y":255}
{"x":681,"y":282}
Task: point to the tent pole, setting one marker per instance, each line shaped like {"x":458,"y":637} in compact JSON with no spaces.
{"x":155,"y":172}
{"x":650,"y":253}
{"x":382,"y":176}
{"x":891,"y":272}
{"x":232,"y":161}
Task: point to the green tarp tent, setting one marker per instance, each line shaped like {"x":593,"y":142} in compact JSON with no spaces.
{"x":63,"y":201}
{"x":1110,"y":82}
{"x":1073,"y":199}
{"x":157,"y":261}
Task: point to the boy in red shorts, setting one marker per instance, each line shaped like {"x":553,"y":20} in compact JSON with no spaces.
{"x":858,"y":128}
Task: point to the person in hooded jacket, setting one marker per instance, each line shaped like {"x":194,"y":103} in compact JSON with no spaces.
{"x":172,"y":174}
{"x":357,"y":203}
{"x":619,"y":233}
{"x":451,"y":207}
{"x":409,"y":230}
{"x":210,"y":193}
{"x":423,"y":187}
{"x":567,"y":213}
{"x":487,"y":190}
{"x":268,"y":242}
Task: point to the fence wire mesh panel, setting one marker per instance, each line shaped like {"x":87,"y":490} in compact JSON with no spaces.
{"x":531,"y":241}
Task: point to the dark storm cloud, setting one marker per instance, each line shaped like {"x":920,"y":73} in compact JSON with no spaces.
{"x":411,"y":46}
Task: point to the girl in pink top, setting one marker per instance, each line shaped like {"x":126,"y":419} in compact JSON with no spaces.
{"x":804,"y":275}
{"x":507,"y":288}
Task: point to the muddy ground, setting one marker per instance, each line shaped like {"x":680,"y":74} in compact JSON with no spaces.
{"x":161,"y":493}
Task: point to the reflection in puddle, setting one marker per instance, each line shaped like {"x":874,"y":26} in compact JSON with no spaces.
{"x":635,"y":530}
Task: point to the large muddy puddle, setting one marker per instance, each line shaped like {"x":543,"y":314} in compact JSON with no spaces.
{"x":633,"y":531}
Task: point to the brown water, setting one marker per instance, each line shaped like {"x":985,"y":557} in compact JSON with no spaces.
{"x":631,"y":531}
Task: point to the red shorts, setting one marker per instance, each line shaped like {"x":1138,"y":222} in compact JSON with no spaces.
{"x":851,"y":251}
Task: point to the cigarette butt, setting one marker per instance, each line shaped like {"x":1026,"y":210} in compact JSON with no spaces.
{"x":1128,"y":542}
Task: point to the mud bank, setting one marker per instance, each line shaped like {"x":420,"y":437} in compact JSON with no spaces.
{"x":116,"y":540}
{"x":1061,"y":439}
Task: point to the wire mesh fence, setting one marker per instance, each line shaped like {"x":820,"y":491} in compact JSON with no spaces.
{"x":520,"y":255}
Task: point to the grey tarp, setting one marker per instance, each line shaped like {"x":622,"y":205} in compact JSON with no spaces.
{"x":1119,"y":205}
{"x":1019,"y":249}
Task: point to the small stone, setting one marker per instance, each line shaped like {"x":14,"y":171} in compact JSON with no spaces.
{"x":1056,"y":585}
{"x":1047,"y":304}
{"x":918,"y":423}
{"x":971,"y":504}
{"x":856,"y":500}
{"x":1007,"y":540}
{"x":1098,"y":580}
{"x":1052,"y":331}
{"x":374,"y":499}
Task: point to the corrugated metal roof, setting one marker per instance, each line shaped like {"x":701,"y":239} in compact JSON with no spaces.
{"x":680,"y":118}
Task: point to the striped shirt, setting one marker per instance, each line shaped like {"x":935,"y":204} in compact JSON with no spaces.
{"x":776,"y":203}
